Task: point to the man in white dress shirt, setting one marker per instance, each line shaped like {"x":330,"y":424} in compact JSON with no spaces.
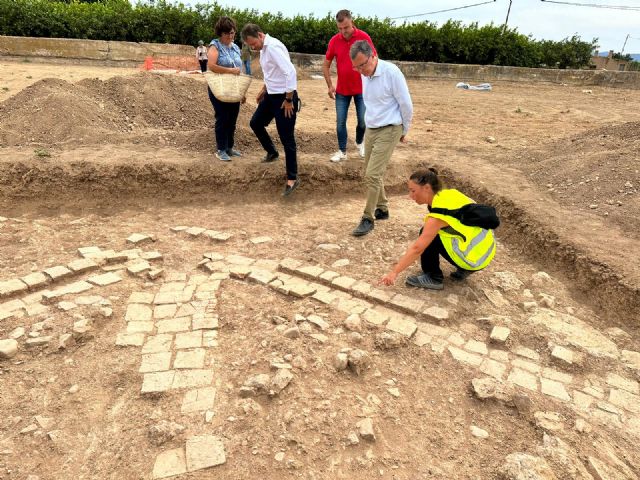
{"x":278,"y":99}
{"x":388,"y":117}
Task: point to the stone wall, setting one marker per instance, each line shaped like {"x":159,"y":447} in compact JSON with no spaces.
{"x":130,"y":53}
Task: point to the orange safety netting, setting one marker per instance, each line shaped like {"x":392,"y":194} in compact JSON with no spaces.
{"x":179,"y":63}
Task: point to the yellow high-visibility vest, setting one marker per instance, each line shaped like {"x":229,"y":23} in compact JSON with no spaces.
{"x":471,"y":248}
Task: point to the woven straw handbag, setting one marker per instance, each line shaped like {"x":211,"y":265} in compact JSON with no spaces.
{"x":228,"y":87}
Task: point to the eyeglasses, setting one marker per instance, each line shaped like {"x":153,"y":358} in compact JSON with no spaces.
{"x":362,"y":65}
{"x":231,"y":33}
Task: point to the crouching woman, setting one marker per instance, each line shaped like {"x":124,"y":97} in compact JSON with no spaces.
{"x":467,"y":248}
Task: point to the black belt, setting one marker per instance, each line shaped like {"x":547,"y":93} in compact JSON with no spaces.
{"x":384,"y":126}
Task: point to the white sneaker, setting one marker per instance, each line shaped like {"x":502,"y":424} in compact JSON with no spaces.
{"x":339,"y":156}
{"x":360,"y":149}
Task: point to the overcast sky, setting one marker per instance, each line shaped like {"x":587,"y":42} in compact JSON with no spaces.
{"x":543,"y":20}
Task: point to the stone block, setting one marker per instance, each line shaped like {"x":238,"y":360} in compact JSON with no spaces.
{"x":624,"y":399}
{"x":207,"y":322}
{"x":164,"y":311}
{"x":262,"y":277}
{"x":11,"y":308}
{"x":554,"y":389}
{"x":188,"y":340}
{"x":158,"y":343}
{"x":499,"y":334}
{"x":324,"y":297}
{"x":457,"y":339}
{"x":87,"y":251}
{"x":58,"y":272}
{"x":329,"y":276}
{"x":476,"y":347}
{"x":139,"y":239}
{"x":407,"y":304}
{"x":37,"y":342}
{"x":192,"y":378}
{"x":623,"y":383}
{"x":151,"y":256}
{"x":493,"y":368}
{"x":377,"y":316}
{"x":139,"y":327}
{"x":311,"y":272}
{"x":193,"y":359}
{"x":157,"y":382}
{"x":116,"y":257}
{"x":436,"y":313}
{"x":141,"y":297}
{"x":556,"y":375}
{"x":361,"y":289}
{"x":8,"y":348}
{"x":259,"y":240}
{"x":499,"y":355}
{"x":527,"y":353}
{"x":525,"y":365}
{"x":82,"y":265}
{"x":465,"y":357}
{"x":402,"y":325}
{"x":179,"y":228}
{"x":166,"y":297}
{"x":209,"y":338}
{"x":155,"y":273}
{"x":155,"y":362}
{"x":130,"y":339}
{"x":198,"y":400}
{"x":12,"y":287}
{"x":239,"y":271}
{"x":631,"y":359}
{"x":421,"y":339}
{"x":105,"y":279}
{"x":173,"y":325}
{"x":239,"y":260}
{"x":34,"y":309}
{"x":204,"y":451}
{"x":138,"y":313}
{"x":562,"y":355}
{"x":138,"y":267}
{"x":35,"y":280}
{"x":170,"y":463}
{"x":343,"y":282}
{"x":523,"y":379}
{"x":289,"y":264}
{"x":301,"y":290}
{"x":381,"y":296}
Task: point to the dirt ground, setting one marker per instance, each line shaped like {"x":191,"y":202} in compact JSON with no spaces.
{"x":90,"y":155}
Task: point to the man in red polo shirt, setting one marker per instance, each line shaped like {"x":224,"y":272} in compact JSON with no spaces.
{"x":349,"y":82}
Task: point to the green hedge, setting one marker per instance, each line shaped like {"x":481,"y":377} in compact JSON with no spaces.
{"x":164,"y":22}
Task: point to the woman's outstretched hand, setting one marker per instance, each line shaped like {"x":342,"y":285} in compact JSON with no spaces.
{"x":389,"y":278}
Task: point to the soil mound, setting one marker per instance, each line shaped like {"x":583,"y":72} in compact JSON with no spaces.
{"x":149,"y":109}
{"x":596,"y":171}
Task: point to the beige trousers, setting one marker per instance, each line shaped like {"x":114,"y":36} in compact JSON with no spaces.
{"x":378,"y":147}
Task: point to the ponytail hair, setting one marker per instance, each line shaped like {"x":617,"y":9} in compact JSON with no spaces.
{"x":427,"y":176}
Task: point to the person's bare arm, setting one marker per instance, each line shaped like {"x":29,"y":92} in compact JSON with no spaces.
{"x":326,"y":71}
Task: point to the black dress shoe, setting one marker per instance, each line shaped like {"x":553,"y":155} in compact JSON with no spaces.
{"x":271,"y":157}
{"x":365,"y":227}
{"x":381,"y":214}
{"x":288,"y":189}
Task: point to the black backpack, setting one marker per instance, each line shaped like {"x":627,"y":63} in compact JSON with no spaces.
{"x":472,"y":215}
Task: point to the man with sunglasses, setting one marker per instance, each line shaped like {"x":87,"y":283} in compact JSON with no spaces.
{"x":388,"y":118}
{"x":349,"y":84}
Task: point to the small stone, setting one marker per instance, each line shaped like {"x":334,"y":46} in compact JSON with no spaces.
{"x":343,"y":262}
{"x":353,"y":323}
{"x":499,"y":334}
{"x":139,"y":239}
{"x":293,"y":332}
{"x":520,"y":466}
{"x":365,"y":429}
{"x":359,"y":361}
{"x":529,"y":306}
{"x":341,"y":361}
{"x":8,"y":348}
{"x":479,"y":432}
{"x":550,"y":421}
{"x":352,"y":438}
{"x":279,"y":456}
{"x":541,"y":279}
{"x":74,"y":389}
{"x":562,"y":355}
{"x":170,"y":463}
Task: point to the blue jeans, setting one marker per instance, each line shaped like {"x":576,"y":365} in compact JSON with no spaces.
{"x":247,"y":66}
{"x":342,"y":108}
{"x":269,"y":108}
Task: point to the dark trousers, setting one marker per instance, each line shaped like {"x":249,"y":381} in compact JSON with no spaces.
{"x":203,"y":65}
{"x":269,"y":108}
{"x":226,"y":117}
{"x":430,"y":258}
